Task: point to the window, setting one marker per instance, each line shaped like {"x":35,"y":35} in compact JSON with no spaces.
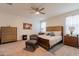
{"x":43,"y":26}
{"x":72,"y":21}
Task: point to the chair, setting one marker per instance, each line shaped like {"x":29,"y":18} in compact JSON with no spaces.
{"x":33,"y":37}
{"x":33,"y":42}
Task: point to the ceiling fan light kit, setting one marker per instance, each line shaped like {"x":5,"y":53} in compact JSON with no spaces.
{"x":37,"y":13}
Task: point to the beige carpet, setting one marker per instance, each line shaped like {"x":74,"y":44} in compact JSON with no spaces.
{"x":17,"y":49}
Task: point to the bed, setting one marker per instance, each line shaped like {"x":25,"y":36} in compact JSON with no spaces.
{"x":47,"y":41}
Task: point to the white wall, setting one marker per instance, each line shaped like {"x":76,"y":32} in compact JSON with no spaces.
{"x":60,"y":19}
{"x":15,"y":21}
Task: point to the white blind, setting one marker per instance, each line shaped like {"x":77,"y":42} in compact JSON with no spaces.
{"x":43,"y":26}
{"x":72,"y":21}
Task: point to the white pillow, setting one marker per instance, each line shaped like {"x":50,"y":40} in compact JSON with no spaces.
{"x":47,"y":33}
{"x":57,"y":33}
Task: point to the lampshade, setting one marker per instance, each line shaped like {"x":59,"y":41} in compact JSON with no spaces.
{"x":71,"y":28}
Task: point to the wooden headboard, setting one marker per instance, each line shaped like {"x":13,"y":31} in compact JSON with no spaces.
{"x":55,"y":28}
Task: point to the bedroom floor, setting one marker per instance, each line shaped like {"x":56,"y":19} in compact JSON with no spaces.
{"x":17,"y":49}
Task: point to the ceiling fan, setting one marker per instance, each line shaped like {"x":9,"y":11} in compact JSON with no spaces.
{"x":38,"y":10}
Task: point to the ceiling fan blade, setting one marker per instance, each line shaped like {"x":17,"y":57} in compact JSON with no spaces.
{"x":42,"y":13}
{"x":10,"y":3}
{"x":41,"y":9}
{"x":33,"y":8}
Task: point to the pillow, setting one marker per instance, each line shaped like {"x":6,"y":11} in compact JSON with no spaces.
{"x":50,"y":34}
{"x":41,"y":33}
{"x":47,"y":33}
{"x":57,"y":33}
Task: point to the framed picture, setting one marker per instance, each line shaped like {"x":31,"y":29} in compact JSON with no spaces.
{"x":27,"y":26}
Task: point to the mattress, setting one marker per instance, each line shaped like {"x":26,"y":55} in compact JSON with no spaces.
{"x":52,"y":39}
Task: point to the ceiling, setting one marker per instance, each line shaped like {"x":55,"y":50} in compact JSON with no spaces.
{"x":51,"y":9}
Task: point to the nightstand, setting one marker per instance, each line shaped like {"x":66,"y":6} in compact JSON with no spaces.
{"x":71,"y":41}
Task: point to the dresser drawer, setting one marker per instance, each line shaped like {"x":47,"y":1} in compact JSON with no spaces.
{"x":69,"y":40}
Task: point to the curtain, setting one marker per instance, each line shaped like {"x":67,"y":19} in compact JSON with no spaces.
{"x":72,"y":21}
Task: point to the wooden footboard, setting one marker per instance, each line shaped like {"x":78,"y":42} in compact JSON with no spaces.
{"x":44,"y":43}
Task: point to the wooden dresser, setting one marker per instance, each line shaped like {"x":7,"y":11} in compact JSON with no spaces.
{"x":71,"y":41}
{"x":8,"y":34}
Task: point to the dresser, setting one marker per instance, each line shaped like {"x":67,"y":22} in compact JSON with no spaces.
{"x":71,"y":41}
{"x":8,"y":34}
